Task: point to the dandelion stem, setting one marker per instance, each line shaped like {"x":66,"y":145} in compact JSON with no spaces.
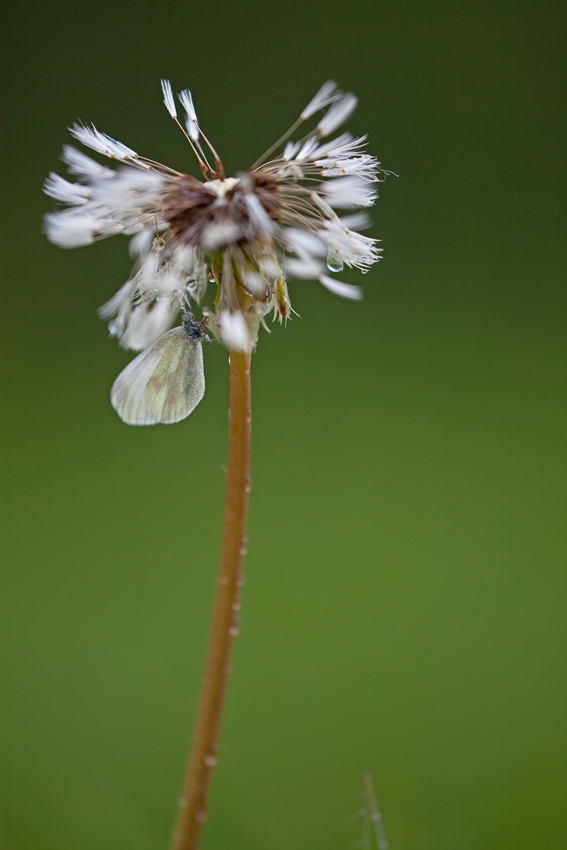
{"x":204,"y":748}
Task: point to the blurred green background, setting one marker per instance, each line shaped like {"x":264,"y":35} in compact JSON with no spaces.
{"x":405,"y":583}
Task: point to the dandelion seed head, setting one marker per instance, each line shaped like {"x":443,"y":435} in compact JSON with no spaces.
{"x":225,"y":243}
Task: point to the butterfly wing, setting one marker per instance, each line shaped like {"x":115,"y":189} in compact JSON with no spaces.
{"x":177,"y":384}
{"x":163,"y":383}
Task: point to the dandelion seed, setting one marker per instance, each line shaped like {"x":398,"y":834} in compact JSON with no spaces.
{"x":326,"y":95}
{"x":186,"y":99}
{"x":168,"y":98}
{"x":337,"y":115}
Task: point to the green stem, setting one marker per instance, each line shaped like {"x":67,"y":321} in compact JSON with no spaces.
{"x":204,"y":748}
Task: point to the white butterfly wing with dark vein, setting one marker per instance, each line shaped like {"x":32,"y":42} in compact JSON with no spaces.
{"x":162,"y":384}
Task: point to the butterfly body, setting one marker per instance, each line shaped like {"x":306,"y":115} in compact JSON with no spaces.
{"x":166,"y":381}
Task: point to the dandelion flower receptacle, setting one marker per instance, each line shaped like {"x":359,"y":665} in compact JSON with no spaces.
{"x":225,"y":245}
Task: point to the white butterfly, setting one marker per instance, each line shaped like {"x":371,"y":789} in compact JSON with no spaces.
{"x":166,"y":381}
